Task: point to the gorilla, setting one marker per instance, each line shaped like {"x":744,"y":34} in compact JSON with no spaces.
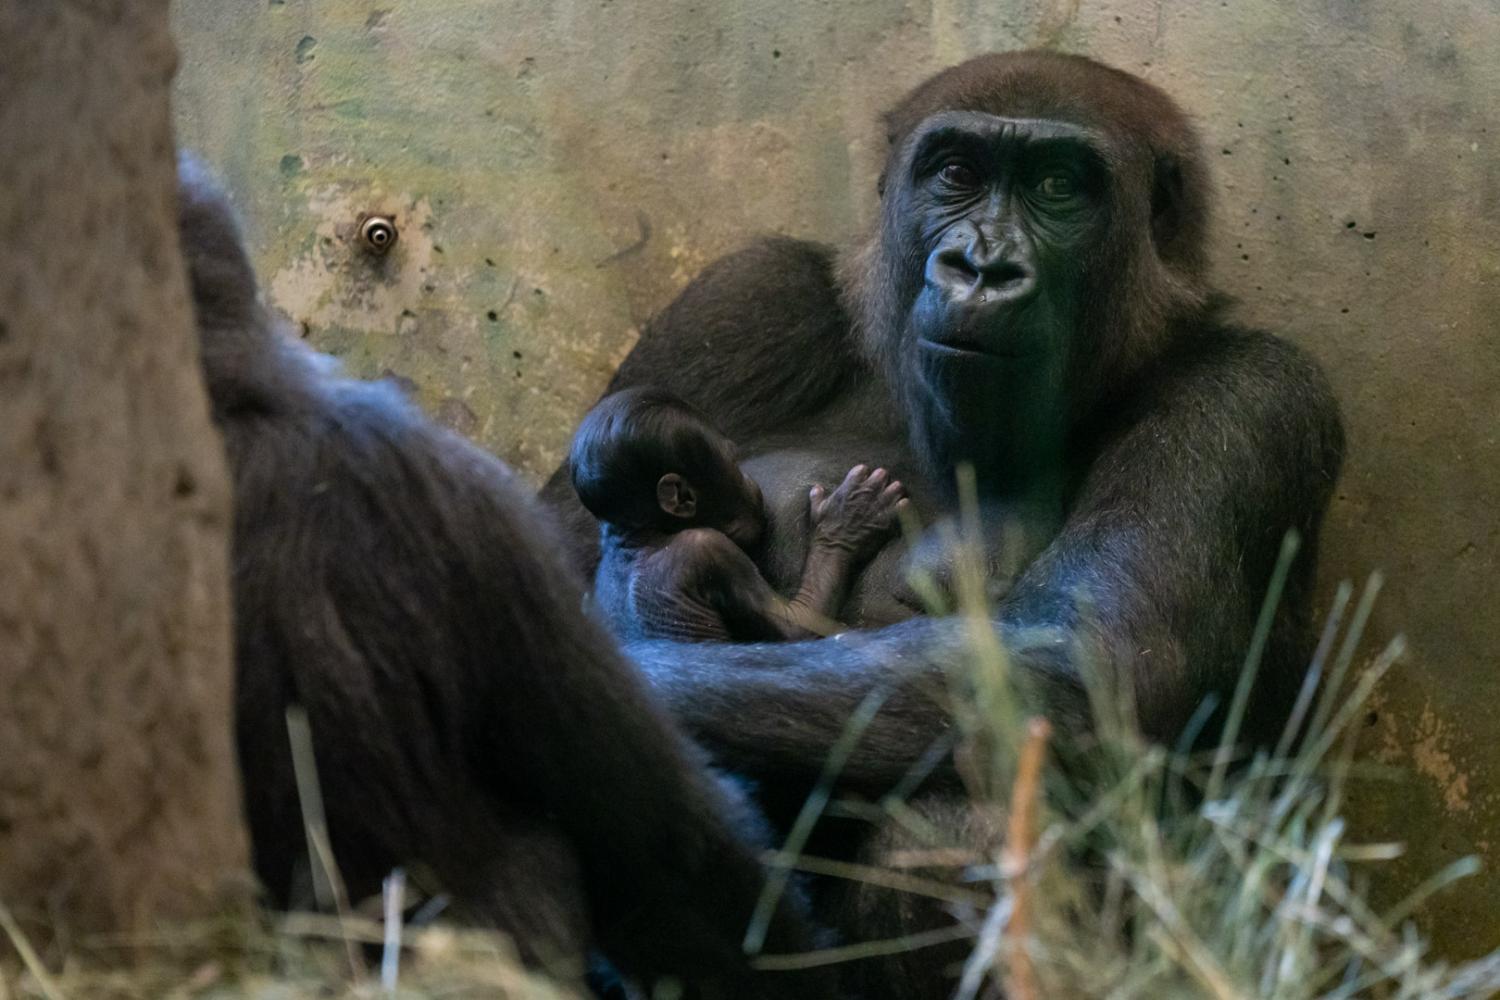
{"x":398,"y":583}
{"x":1033,"y":303}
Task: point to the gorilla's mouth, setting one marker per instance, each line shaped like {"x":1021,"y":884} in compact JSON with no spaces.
{"x":972,"y":329}
{"x":960,"y":347}
{"x":956,"y":348}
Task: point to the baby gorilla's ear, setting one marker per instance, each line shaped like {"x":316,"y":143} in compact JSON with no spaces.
{"x":675,"y":496}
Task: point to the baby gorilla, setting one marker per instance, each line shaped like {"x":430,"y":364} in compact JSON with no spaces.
{"x":680,"y":520}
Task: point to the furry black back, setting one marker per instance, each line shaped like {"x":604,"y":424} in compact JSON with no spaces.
{"x":468,"y":720}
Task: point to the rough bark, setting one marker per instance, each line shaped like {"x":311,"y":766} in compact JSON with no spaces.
{"x":119,"y":799}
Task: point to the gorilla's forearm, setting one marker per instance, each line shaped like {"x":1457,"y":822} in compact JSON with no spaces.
{"x":776,"y":709}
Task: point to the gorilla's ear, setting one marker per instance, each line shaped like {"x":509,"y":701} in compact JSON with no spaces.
{"x":675,"y":496}
{"x":1168,"y":200}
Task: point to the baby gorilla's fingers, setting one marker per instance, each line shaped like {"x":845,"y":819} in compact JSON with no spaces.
{"x":876,"y":478}
{"x":817,"y":502}
{"x":854,"y":476}
{"x":891,"y":501}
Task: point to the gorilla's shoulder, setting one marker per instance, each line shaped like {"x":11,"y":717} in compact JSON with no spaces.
{"x":805,"y":263}
{"x":1271,"y":356}
{"x":1250,"y":376}
{"x":773,"y":282}
{"x":759,"y":336}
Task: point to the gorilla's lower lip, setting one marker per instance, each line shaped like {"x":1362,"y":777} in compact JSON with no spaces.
{"x":967,"y":350}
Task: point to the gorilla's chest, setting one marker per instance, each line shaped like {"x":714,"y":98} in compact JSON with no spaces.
{"x":1012,"y":533}
{"x":786,"y":474}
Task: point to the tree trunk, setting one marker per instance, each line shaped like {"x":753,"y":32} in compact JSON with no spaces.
{"x":119,"y":797}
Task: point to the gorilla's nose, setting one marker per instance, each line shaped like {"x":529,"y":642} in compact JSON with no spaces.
{"x":977,"y":274}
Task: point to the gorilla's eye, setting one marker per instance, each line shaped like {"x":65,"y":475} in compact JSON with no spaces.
{"x":959,"y":174}
{"x":1057,"y":186}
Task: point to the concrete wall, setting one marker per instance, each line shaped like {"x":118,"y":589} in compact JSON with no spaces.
{"x":560,"y":169}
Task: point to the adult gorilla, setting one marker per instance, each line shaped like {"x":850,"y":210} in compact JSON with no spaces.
{"x":1032,"y":300}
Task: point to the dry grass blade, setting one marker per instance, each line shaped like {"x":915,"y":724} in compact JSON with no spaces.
{"x":328,"y":886}
{"x":888,"y":877}
{"x":393,"y":897}
{"x":862,"y":950}
{"x":29,"y":957}
{"x":1020,"y":979}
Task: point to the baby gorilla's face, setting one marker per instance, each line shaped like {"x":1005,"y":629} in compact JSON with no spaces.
{"x":744,"y":517}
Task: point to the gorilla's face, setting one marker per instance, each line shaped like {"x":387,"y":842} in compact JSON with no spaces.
{"x":993,"y":224}
{"x":1002,"y":213}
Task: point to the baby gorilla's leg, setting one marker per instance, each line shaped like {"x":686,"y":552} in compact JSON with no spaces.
{"x":860,"y":515}
{"x":850,"y":525}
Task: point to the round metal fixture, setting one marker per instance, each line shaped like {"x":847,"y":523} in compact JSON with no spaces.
{"x":378,"y":233}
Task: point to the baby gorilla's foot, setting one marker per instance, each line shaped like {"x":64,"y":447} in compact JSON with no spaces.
{"x":860,"y":514}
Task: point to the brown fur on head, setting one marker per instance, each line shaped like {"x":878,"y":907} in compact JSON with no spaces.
{"x":1147,"y":275}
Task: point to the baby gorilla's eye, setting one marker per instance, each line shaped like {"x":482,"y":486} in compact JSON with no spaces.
{"x":959,"y":175}
{"x":1057,"y":186}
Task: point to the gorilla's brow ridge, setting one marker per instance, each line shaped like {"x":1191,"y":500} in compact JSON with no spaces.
{"x":1037,"y":140}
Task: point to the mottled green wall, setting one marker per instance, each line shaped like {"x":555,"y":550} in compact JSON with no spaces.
{"x":559,"y":169}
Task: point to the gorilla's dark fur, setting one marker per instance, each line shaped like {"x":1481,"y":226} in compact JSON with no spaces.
{"x":1033,"y":300}
{"x":398,"y":583}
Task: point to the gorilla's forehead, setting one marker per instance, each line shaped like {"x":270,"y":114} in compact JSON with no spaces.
{"x":1001,"y":129}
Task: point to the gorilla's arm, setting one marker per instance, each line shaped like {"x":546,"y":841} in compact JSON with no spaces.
{"x":1155,"y":579}
{"x":774,"y":710}
{"x":1169,"y":546}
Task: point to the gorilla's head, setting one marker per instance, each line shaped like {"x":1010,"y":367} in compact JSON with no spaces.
{"x":246,"y":361}
{"x":1041,"y":236}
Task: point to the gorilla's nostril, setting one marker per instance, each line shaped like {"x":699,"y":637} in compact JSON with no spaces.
{"x":1006,"y":273}
{"x":963,"y":271}
{"x":953,"y":268}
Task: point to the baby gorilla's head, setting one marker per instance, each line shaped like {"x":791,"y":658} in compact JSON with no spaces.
{"x":644,"y":461}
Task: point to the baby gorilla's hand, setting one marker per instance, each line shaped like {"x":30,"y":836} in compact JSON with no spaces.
{"x":860,"y":515}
